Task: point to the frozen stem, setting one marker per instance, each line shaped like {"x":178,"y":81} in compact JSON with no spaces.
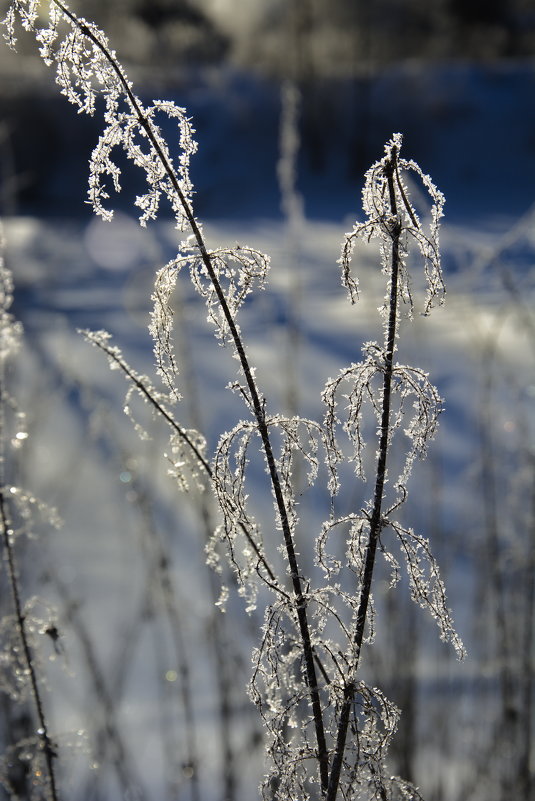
{"x":376,"y":522}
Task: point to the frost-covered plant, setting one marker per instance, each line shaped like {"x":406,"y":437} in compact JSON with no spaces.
{"x":328,"y":730}
{"x":20,"y":629}
{"x":402,"y":399}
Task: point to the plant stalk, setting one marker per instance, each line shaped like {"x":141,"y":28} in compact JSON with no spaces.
{"x":42,"y":732}
{"x":376,"y":521}
{"x":257,"y":405}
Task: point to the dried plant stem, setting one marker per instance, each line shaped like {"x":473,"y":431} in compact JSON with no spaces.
{"x":42,"y":731}
{"x":295,"y":575}
{"x":376,"y":519}
{"x":256,"y":402}
{"x":150,"y":398}
{"x":526,"y":778}
{"x":161,"y":576}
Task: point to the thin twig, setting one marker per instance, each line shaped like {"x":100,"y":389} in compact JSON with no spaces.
{"x":47,"y":745}
{"x":110,"y":738}
{"x":170,"y":420}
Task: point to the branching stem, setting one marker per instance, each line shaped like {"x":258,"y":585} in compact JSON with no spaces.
{"x":376,"y":517}
{"x":256,"y":402}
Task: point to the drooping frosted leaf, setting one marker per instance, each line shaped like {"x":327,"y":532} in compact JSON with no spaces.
{"x":383,"y":182}
{"x":87,"y":68}
{"x":426,"y":584}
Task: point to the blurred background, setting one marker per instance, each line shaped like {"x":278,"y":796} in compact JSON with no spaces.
{"x":363,"y":71}
{"x":292,"y":101}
